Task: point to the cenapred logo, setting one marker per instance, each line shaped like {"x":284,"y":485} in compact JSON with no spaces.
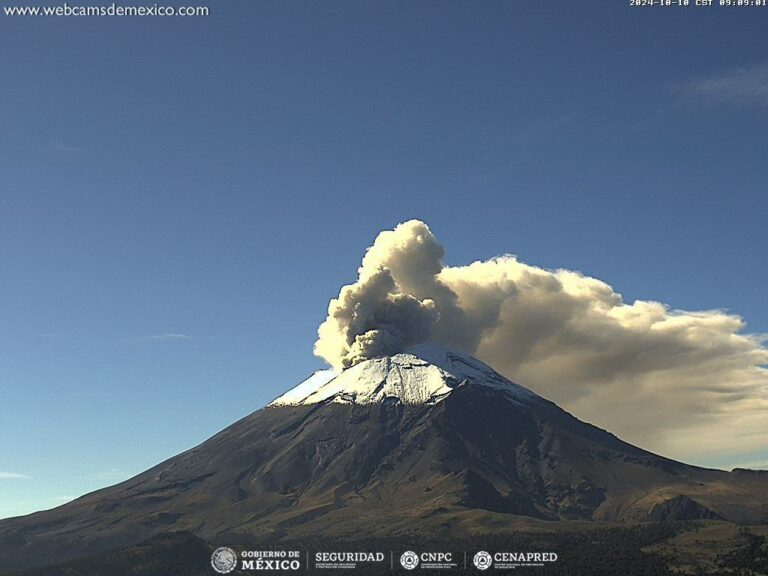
{"x":510,"y":560}
{"x":409,"y":560}
{"x":482,"y":560}
{"x":224,"y":560}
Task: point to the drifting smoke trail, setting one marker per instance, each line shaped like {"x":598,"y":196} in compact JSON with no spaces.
{"x":638,"y":368}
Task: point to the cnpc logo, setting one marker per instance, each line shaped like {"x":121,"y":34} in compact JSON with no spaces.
{"x":410,"y":560}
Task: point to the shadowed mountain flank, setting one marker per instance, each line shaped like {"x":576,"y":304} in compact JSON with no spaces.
{"x":424,"y":441}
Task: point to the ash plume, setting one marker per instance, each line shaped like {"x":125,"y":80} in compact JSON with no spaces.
{"x":669,"y":380}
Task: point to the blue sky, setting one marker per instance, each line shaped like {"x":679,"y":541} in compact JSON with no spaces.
{"x":181,"y":197}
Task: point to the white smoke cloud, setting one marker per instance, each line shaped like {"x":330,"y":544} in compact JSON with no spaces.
{"x":686,"y":384}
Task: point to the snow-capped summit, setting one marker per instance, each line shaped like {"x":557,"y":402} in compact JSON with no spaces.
{"x":424,"y":374}
{"x":429,"y":439}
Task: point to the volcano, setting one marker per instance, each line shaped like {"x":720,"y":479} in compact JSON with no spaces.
{"x":426,"y":440}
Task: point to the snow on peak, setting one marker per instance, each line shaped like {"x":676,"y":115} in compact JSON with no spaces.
{"x":424,"y":374}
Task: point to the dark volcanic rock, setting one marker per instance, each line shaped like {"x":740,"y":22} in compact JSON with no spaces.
{"x":479,"y":457}
{"x":681,"y":508}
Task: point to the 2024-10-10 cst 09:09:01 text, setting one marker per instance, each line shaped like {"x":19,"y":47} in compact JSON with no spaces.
{"x":701,"y":3}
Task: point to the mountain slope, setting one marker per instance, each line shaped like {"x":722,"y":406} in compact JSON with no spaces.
{"x":426,"y":440}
